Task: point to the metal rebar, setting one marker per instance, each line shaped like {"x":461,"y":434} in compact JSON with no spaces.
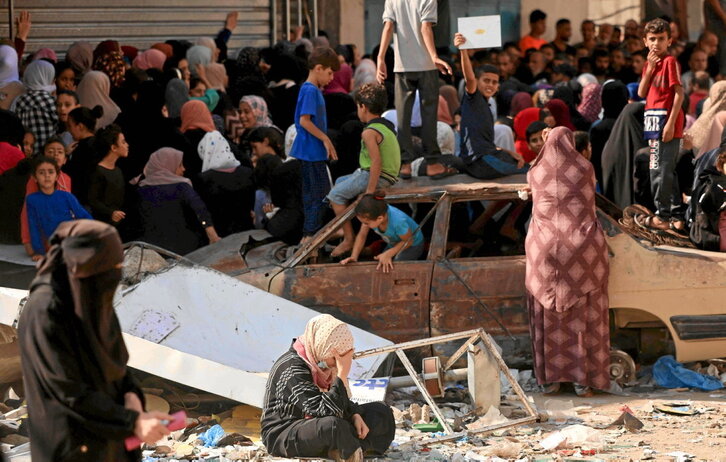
{"x":315,"y":19}
{"x":287,"y":20}
{"x":415,"y":343}
{"x":11,"y":13}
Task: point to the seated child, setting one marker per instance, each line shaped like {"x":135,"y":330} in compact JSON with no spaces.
{"x":582,"y":144}
{"x":394,"y":226}
{"x":535,"y":138}
{"x":380,"y":158}
{"x":55,"y":150}
{"x":49,"y":207}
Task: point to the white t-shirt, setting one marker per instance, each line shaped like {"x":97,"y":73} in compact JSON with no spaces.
{"x":408,"y":45}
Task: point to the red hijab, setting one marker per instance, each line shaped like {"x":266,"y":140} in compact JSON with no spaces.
{"x":521,"y":122}
{"x":561,"y":113}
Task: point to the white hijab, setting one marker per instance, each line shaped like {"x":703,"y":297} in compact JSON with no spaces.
{"x":215,"y":153}
{"x":40,"y":75}
{"x":8,"y":65}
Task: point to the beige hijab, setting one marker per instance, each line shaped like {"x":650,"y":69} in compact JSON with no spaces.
{"x":701,"y":129}
{"x":94,"y":90}
{"x":324,"y":338}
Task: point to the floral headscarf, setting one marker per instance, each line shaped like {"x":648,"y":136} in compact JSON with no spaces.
{"x":112,"y":64}
{"x":591,"y":102}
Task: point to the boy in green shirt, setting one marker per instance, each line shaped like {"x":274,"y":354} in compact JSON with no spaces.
{"x":380,"y":159}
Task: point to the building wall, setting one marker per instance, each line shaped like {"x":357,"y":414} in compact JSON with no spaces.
{"x":140,"y":23}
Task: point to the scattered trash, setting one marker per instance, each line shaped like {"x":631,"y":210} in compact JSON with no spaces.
{"x":559,"y":411}
{"x":669,"y":373}
{"x":676,"y":408}
{"x":629,"y":421}
{"x":211,"y":437}
{"x":680,"y":456}
{"x":492,"y":417}
{"x":573,"y":436}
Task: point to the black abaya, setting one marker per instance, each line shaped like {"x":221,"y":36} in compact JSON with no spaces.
{"x":618,"y":155}
{"x":73,"y":355}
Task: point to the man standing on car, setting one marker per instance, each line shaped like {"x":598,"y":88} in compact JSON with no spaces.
{"x":416,"y":62}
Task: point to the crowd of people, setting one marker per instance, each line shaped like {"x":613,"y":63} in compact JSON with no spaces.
{"x":181,"y":145}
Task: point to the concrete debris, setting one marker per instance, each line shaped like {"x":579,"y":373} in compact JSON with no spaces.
{"x":139,"y":263}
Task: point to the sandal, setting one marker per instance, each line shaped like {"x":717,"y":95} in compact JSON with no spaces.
{"x":648,"y":222}
{"x":446,"y":173}
{"x":681,"y":231}
{"x":551,"y":388}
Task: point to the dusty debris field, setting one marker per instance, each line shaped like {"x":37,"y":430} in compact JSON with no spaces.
{"x":663,"y":437}
{"x":676,"y":426}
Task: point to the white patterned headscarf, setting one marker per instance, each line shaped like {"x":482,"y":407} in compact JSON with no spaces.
{"x":325,"y":337}
{"x":215,"y":153}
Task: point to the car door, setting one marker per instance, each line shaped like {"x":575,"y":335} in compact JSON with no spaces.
{"x":392,"y":305}
{"x":474,"y":287}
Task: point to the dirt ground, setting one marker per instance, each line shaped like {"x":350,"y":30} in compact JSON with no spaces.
{"x":701,"y":436}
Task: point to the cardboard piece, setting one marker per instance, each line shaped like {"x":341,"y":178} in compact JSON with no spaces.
{"x":481,"y":32}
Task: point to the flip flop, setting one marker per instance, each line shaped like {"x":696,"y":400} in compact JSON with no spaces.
{"x":446,"y":173}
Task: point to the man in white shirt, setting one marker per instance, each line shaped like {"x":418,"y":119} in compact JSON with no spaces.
{"x":416,"y":64}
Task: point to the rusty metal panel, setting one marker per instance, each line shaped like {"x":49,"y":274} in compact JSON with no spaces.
{"x":394,"y":306}
{"x":139,"y":23}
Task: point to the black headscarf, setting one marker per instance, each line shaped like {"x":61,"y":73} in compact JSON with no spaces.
{"x":72,"y":350}
{"x":618,"y":155}
{"x":83,"y":264}
{"x":11,"y":129}
{"x":567,"y":94}
{"x":614,"y":99}
{"x":266,"y":165}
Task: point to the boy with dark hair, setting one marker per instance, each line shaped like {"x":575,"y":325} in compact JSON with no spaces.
{"x":481,"y":157}
{"x":663,"y":127}
{"x":638,"y":60}
{"x":312,"y":147}
{"x":380,"y":159}
{"x":537,"y":27}
{"x":582,"y":144}
{"x":535,"y":136}
{"x":698,"y":91}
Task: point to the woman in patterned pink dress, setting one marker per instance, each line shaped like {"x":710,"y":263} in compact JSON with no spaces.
{"x":567,"y":269}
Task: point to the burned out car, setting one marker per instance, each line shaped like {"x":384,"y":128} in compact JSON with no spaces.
{"x":661,"y":297}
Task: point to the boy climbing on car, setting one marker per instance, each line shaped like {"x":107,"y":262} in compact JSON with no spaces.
{"x":380,"y":159}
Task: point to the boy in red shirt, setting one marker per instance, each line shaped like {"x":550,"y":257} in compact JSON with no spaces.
{"x":661,"y":87}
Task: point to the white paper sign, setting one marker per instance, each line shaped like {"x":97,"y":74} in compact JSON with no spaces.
{"x":368,"y":390}
{"x":154,"y":326}
{"x":481,"y":32}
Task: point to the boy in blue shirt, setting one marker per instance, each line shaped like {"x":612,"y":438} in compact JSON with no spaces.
{"x":312,"y":147}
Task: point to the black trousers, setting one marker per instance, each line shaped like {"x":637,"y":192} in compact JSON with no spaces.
{"x":315,"y":437}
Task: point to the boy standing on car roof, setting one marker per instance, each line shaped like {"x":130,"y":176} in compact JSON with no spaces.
{"x":661,"y":87}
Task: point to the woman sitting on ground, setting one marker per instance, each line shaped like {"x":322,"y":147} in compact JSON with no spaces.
{"x":307,"y":411}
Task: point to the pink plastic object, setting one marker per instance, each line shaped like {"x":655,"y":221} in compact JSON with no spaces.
{"x":178,"y":421}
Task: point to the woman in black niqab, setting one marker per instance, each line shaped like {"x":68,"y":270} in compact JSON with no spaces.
{"x":82,"y":400}
{"x":618,"y":155}
{"x":614,"y":99}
